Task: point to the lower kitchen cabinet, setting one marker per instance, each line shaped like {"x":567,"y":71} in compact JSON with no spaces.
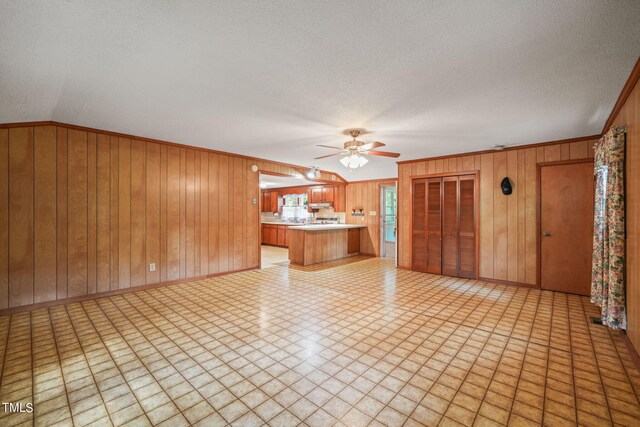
{"x":275,"y":235}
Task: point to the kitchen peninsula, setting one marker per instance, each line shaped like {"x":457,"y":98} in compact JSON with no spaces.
{"x":315,"y":243}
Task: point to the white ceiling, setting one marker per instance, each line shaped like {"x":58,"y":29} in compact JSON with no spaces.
{"x":273,"y":78}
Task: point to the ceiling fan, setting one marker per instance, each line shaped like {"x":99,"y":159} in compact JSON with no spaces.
{"x":355,"y":150}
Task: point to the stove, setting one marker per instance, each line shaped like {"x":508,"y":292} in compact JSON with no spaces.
{"x":326,"y":220}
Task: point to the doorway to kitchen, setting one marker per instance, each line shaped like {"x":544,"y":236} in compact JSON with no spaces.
{"x":388,"y":221}
{"x":283,"y":203}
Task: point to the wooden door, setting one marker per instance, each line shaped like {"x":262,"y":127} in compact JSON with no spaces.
{"x":444,"y":233}
{"x":266,"y":202}
{"x":566,"y":226}
{"x":467,"y":227}
{"x":281,"y":235}
{"x":270,"y":235}
{"x":434,"y":226}
{"x":450,"y":226}
{"x":316,"y":195}
{"x":274,"y":201}
{"x":419,"y":225}
{"x":328,"y":194}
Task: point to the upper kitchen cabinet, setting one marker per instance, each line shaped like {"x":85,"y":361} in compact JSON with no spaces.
{"x":328,"y":194}
{"x":334,"y":194}
{"x":322,"y":194}
{"x":317,"y":195}
{"x":269,"y":201}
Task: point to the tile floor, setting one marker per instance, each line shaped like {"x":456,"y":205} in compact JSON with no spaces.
{"x":352,"y":343}
{"x":272,"y":255}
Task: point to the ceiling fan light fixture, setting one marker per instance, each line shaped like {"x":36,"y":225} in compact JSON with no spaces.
{"x":356,"y":152}
{"x":353,"y":161}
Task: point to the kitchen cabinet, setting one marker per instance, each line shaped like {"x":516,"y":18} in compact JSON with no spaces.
{"x":275,"y":235}
{"x":328,"y":194}
{"x":269,"y":201}
{"x":325,"y":195}
{"x":322,"y":194}
{"x":316,"y":195}
{"x":334,"y":194}
{"x":269,"y":234}
{"x":266,"y":202}
{"x":281,"y":235}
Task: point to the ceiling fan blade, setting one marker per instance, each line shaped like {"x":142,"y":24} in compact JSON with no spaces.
{"x":371,"y":145}
{"x":383,"y":153}
{"x":329,"y":146}
{"x":329,"y":155}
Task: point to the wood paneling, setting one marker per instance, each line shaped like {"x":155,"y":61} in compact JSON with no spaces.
{"x":4,"y":218}
{"x":313,"y":247}
{"x":629,"y":116}
{"x":365,"y":195}
{"x":44,"y":214}
{"x":77,"y":205}
{"x":103,"y":213}
{"x":92,"y":171}
{"x":124,"y":213}
{"x":173,"y":213}
{"x":84,"y":212}
{"x":507,"y":227}
{"x":61,"y":209}
{"x":152,"y":212}
{"x":21,"y":226}
{"x":114,"y":216}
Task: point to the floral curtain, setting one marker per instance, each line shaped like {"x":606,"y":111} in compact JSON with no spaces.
{"x":607,"y":278}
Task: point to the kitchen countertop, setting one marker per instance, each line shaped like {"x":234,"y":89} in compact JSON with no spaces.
{"x":323,"y":227}
{"x":281,"y":223}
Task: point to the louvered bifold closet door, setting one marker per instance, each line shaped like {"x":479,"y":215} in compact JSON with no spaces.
{"x":434,"y":225}
{"x":419,"y":225}
{"x":467,"y":227}
{"x":450,"y":226}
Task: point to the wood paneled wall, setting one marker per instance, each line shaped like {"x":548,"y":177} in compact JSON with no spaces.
{"x":366,"y":195}
{"x":84,"y":212}
{"x":629,"y":116}
{"x":508,"y":248}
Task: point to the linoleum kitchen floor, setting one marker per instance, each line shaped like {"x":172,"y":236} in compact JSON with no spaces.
{"x":272,"y":255}
{"x":362,"y":343}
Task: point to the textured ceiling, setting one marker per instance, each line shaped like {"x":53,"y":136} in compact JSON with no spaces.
{"x":273,"y":78}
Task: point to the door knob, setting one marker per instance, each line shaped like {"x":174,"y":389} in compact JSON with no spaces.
{"x":546,"y":234}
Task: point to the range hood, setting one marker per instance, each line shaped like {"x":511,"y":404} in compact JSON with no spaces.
{"x":320,"y":205}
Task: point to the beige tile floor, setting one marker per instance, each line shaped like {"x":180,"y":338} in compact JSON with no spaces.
{"x":272,"y":255}
{"x":353,"y":343}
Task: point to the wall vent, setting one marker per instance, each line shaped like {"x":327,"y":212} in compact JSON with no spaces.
{"x":596,"y":320}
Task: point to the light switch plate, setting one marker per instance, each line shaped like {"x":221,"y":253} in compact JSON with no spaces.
{"x":152,"y":266}
{"x":372,"y":213}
